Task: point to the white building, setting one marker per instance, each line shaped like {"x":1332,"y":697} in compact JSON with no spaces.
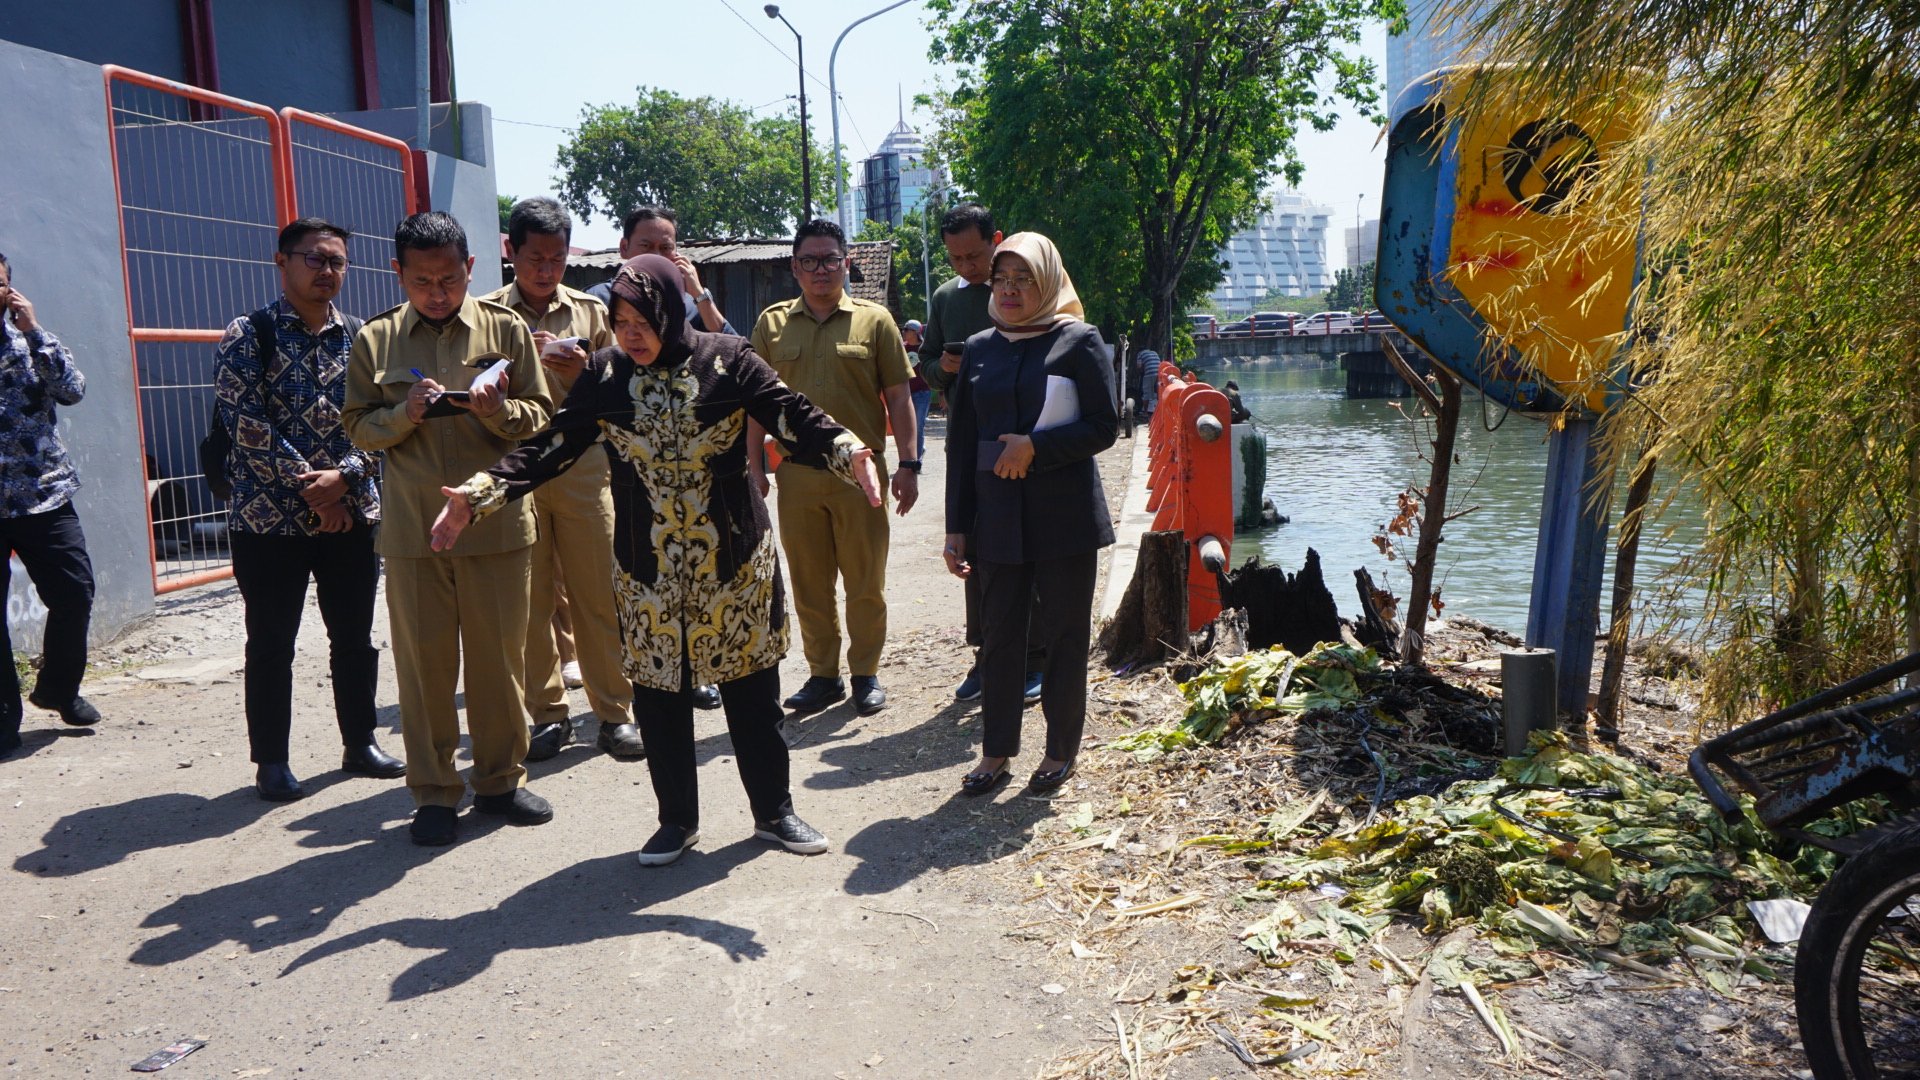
{"x":895,"y":180}
{"x":1285,"y":251}
{"x":1363,"y":243}
{"x":1429,"y":43}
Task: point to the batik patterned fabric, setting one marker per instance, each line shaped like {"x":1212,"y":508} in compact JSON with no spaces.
{"x":697,"y":571}
{"x":36,"y":375}
{"x":289,"y":423}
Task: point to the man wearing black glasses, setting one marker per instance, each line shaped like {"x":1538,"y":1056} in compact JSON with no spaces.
{"x":304,"y":504}
{"x":846,"y":356}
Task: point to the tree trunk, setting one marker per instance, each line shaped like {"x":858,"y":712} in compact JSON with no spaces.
{"x":1626,"y":558}
{"x":1151,"y":622}
{"x":1294,"y":610}
{"x":1433,"y":517}
{"x":1377,"y":627}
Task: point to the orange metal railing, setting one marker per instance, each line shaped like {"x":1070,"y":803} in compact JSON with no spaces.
{"x":1190,"y":483}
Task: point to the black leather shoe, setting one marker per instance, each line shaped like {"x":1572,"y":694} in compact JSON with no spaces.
{"x":868,"y":698}
{"x":815,"y":694}
{"x":667,"y":844}
{"x":519,"y":806}
{"x":79,"y":712}
{"x":433,"y":826}
{"x":981,"y":781}
{"x":547,"y":739}
{"x":276,"y":783}
{"x":792,"y":833}
{"x":706,"y":697}
{"x":623,"y":741}
{"x":370,"y":760}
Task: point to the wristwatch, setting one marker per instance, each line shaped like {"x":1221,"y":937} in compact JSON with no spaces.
{"x":911,"y":466}
{"x":705,"y":295}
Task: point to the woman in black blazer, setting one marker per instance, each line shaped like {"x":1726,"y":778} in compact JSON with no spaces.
{"x":1031,"y":406}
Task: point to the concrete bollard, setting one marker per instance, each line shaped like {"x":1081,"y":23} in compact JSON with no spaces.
{"x":1213,"y":554}
{"x":1528,"y":681}
{"x":1209,"y":428}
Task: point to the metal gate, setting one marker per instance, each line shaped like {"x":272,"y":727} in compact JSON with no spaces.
{"x":205,"y":182}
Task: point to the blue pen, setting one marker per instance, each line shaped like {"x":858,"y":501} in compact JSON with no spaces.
{"x":418,"y":374}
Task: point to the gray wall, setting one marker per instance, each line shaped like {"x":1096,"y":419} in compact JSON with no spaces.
{"x":59,"y":226}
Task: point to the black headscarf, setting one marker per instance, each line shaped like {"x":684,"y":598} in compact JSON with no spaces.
{"x":651,"y":283}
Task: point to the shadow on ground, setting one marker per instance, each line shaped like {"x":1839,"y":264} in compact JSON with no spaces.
{"x":546,"y":915}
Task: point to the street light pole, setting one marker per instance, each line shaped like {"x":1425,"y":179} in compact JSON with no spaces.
{"x":833,"y":94}
{"x":806,"y":165}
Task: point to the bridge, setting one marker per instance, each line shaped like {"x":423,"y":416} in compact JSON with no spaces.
{"x":1273,"y":346}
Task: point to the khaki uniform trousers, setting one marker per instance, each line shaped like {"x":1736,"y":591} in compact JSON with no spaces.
{"x":829,"y":532}
{"x":443,"y":610}
{"x":574,"y":516}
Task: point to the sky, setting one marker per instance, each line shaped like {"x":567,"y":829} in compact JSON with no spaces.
{"x":730,"y":49}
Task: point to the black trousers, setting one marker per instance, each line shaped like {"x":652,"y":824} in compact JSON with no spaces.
{"x":752,"y":705}
{"x":272,"y":572}
{"x":1051,"y":600}
{"x":1036,"y":650}
{"x":54,"y":551}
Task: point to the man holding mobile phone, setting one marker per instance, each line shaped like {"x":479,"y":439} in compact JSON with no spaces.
{"x":466,"y":608}
{"x":572,"y":569}
{"x":37,"y":519}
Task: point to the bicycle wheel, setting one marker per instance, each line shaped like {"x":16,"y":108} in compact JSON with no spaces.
{"x":1857,"y":978}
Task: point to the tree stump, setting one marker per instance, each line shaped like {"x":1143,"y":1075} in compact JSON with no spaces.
{"x":1376,"y":628}
{"x":1151,"y":623}
{"x":1293,"y":610}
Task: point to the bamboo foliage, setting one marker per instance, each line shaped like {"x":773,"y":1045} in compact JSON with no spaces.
{"x":1777,"y":320}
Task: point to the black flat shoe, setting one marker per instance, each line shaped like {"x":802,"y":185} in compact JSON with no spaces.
{"x":868,"y":698}
{"x":79,"y":712}
{"x":433,"y":826}
{"x":815,"y":694}
{"x":370,"y":760}
{"x":1042,"y":782}
{"x":979,"y":783}
{"x":706,"y":697}
{"x":276,"y":783}
{"x":519,"y":806}
{"x":546,"y":740}
{"x":669,"y":842}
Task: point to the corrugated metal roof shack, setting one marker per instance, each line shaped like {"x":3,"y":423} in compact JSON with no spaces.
{"x":748,"y":275}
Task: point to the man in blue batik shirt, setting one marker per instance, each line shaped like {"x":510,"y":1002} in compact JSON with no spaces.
{"x":37,"y":519}
{"x":304,"y":505}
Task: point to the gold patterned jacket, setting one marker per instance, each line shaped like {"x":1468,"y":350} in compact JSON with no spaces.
{"x":698,"y":575}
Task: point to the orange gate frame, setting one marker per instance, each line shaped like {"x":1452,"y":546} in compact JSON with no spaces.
{"x":285,"y":201}
{"x":1190,"y":484}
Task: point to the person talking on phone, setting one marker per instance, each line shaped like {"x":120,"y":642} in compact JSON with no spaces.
{"x":1032,"y":407}
{"x":37,"y":519}
{"x":464,"y":608}
{"x":572,"y":568}
{"x":303,"y":507}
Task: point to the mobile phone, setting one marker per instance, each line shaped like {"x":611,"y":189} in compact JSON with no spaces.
{"x":955,"y":347}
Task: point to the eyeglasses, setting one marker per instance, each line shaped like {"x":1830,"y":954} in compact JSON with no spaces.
{"x":1015,"y":282}
{"x":316,"y":261}
{"x":813,"y":263}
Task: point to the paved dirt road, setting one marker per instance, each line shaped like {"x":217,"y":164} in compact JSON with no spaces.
{"x":150,"y":896}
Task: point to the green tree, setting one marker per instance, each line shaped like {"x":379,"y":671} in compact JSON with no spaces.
{"x":1352,"y":290}
{"x":506,"y":208}
{"x":910,"y":239}
{"x":1775,"y":344}
{"x":1302,"y":305}
{"x":724,"y":171}
{"x":1139,"y":135}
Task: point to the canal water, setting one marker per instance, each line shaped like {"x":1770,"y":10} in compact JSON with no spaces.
{"x":1335,"y":468}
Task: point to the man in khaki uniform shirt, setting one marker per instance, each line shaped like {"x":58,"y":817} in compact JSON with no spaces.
{"x":470,"y":602}
{"x":845,"y":355}
{"x":572,"y":558}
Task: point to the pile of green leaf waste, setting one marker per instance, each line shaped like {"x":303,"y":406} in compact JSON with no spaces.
{"x":1568,"y":850}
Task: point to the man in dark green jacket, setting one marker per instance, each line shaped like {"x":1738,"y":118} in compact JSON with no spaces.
{"x":959,"y":312}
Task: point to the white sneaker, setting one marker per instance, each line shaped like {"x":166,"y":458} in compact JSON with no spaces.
{"x":570,"y":675}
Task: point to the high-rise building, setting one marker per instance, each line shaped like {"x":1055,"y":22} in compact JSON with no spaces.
{"x":895,"y":180}
{"x":1363,"y":243}
{"x":1429,"y":43}
{"x":1283,"y":251}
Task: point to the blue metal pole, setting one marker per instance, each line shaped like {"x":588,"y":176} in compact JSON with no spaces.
{"x":1570,"y":559}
